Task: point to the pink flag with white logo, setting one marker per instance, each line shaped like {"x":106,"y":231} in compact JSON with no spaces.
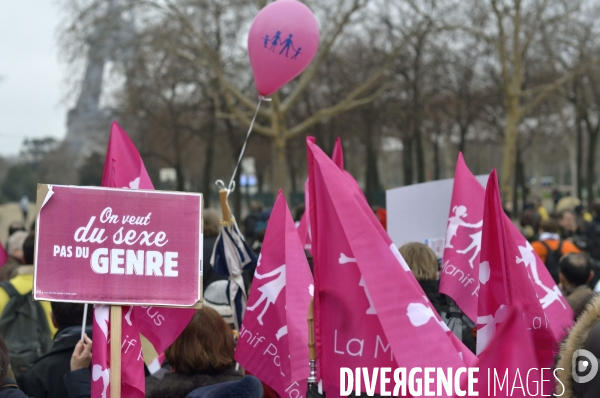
{"x":509,"y":367}
{"x":124,"y":168}
{"x":369,"y":311}
{"x":273,"y":343}
{"x":3,"y":255}
{"x":505,"y":284}
{"x":460,"y":266}
{"x":132,"y":362}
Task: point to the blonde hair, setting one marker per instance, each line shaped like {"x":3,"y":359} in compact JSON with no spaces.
{"x":212,"y":225}
{"x":421,"y":260}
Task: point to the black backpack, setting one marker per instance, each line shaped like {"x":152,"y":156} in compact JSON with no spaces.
{"x":552,"y":259}
{"x":24,"y":327}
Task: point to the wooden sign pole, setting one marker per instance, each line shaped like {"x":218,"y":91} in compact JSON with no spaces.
{"x":115,"y":351}
{"x":225,"y":206}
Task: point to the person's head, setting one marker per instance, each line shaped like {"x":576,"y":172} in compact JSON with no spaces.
{"x":256,"y":206}
{"x":421,"y":260}
{"x":567,"y":220}
{"x":29,"y":249}
{"x":212,"y":223}
{"x":575,"y":270}
{"x":204,"y":346}
{"x":14,"y":246}
{"x":4,"y":362}
{"x":550,"y":225}
{"x":68,"y":314}
{"x":14,"y":227}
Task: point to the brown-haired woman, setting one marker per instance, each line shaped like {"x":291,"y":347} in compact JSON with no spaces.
{"x":201,"y":356}
{"x":8,"y":387}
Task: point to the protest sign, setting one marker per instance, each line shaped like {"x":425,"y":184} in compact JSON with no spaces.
{"x":118,"y":246}
{"x":419,"y":212}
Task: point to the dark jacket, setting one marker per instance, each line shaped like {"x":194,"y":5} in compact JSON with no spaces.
{"x":592,"y":237}
{"x":175,"y":385}
{"x":248,"y":387}
{"x":432,"y":291}
{"x":44,"y":379}
{"x":208,"y":274}
{"x":78,"y":383}
{"x":10,"y":390}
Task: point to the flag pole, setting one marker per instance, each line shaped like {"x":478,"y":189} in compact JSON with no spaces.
{"x":312,"y":354}
{"x":115,"y":351}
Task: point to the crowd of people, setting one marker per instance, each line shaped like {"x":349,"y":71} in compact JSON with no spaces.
{"x":42,"y":354}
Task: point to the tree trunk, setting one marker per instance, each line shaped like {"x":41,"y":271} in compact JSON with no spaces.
{"x":293,"y":171}
{"x":519,"y":177}
{"x":509,"y":154}
{"x":278,"y":154}
{"x":579,"y":160}
{"x":208,"y":164}
{"x":420,"y":156}
{"x":436,"y":159}
{"x":372,"y":177}
{"x":463,"y":138}
{"x":591,"y":165}
{"x":407,"y":161}
{"x":178,"y":165}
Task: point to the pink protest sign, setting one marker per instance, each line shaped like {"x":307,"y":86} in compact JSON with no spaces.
{"x":118,"y":246}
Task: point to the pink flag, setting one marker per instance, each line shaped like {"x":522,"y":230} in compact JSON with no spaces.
{"x":460,"y":265}
{"x":132,"y":363}
{"x":273,"y":343}
{"x":3,"y":255}
{"x":303,"y":227}
{"x":505,"y":284}
{"x":124,"y":168}
{"x":338,"y":158}
{"x":508,"y":367}
{"x":338,"y":153}
{"x":369,"y":311}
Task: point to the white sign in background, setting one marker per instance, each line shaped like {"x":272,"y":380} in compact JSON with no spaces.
{"x":419,"y":212}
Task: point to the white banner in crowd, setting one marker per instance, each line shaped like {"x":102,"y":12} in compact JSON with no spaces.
{"x":419,"y":212}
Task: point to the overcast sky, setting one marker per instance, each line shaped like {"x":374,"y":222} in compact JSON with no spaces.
{"x":31,"y":78}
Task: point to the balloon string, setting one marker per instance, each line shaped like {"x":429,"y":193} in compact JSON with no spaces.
{"x":231,"y":185}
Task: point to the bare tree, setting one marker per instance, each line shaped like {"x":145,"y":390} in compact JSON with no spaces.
{"x":512,"y":29}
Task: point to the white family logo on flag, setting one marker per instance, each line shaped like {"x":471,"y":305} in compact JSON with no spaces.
{"x":529,"y":260}
{"x":456,"y":221}
{"x":487,"y":332}
{"x":344,"y":259}
{"x":269,"y":291}
{"x":128,"y":316}
{"x":135,"y":184}
{"x":484,"y":276}
{"x":419,"y":314}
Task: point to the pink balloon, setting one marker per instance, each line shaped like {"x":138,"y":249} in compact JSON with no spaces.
{"x":282,"y":42}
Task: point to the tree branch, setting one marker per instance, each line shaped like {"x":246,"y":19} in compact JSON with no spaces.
{"x":348,"y":103}
{"x":550,"y":88}
{"x":308,"y":76}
